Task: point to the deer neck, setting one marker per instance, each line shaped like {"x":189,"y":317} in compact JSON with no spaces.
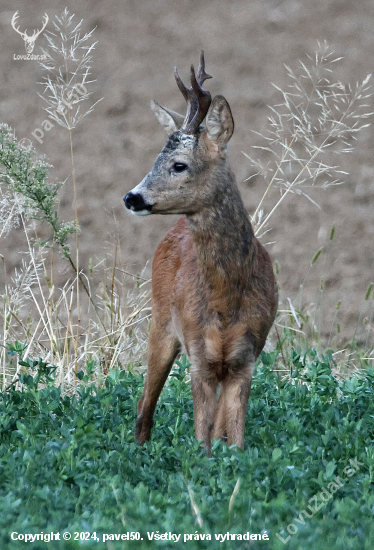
{"x":223,"y":238}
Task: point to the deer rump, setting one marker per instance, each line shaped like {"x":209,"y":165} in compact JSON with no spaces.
{"x":214,"y":293}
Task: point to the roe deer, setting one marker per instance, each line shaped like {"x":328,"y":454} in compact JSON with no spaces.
{"x":214,"y":294}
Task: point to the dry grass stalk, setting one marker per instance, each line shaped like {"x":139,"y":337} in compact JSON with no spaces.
{"x":317,"y":119}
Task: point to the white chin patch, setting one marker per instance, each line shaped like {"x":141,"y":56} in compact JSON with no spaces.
{"x":140,"y":212}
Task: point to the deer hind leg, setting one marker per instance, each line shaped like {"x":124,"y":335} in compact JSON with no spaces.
{"x":232,"y":407}
{"x":162,"y":350}
{"x":204,"y":392}
{"x":220,"y":430}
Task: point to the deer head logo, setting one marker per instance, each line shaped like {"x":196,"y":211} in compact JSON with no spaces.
{"x":29,"y":40}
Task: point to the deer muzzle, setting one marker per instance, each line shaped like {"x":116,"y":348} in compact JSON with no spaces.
{"x":136,"y":204}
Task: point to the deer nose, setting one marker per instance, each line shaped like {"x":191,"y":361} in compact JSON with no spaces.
{"x":135,"y":202}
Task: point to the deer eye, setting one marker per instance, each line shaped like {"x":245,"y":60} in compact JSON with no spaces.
{"x":179,"y":167}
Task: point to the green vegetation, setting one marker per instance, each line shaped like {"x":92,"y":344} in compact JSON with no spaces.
{"x":70,"y":463}
{"x":28,"y":190}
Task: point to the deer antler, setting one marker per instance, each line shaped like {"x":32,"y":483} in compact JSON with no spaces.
{"x":198,"y":100}
{"x":46,"y":19}
{"x":24,"y":34}
{"x":14,"y":19}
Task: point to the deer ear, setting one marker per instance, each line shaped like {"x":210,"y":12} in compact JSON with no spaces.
{"x":169,"y":119}
{"x":219,"y":122}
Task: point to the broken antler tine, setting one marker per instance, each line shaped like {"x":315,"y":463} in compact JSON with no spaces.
{"x":201,"y":75}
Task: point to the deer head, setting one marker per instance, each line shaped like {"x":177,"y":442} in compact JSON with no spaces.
{"x":29,"y":40}
{"x":181,"y":179}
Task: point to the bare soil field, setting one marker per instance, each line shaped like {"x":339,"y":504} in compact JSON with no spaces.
{"x":246,"y":44}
